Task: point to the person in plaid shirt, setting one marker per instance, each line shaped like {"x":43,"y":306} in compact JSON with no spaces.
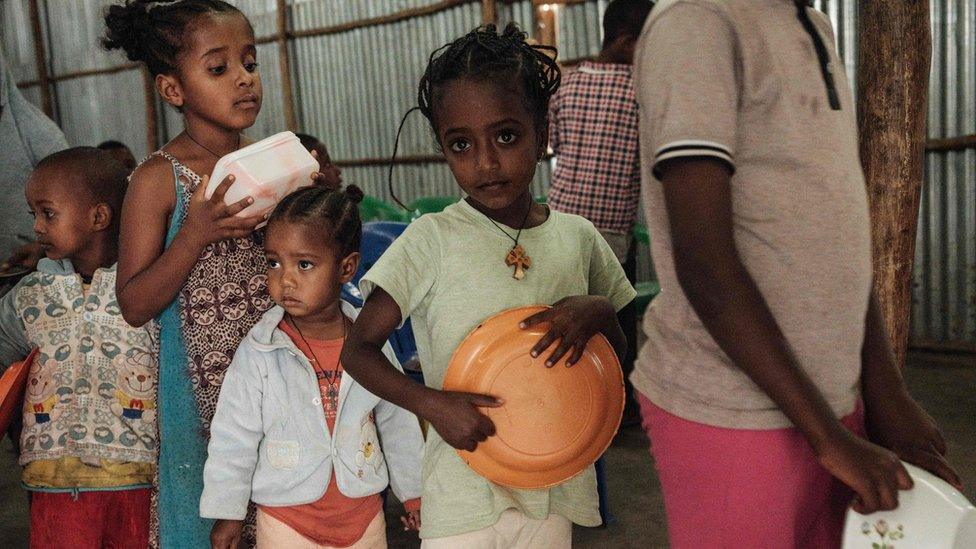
{"x":593,"y":134}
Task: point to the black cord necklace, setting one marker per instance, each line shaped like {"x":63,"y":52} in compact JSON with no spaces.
{"x":516,"y":257}
{"x":332,"y":393}
{"x":204,"y":147}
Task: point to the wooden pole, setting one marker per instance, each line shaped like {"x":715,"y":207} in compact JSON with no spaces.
{"x":40,"y":59}
{"x":894,"y":48}
{"x":149,"y":92}
{"x":489,"y":12}
{"x":544,"y":23}
{"x":284,"y":65}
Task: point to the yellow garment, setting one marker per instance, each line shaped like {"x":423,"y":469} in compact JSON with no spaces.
{"x":128,"y":401}
{"x":71,"y":472}
{"x":43,"y":407}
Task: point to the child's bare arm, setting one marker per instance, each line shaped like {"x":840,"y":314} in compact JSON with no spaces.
{"x":454,"y":415}
{"x":894,"y":419}
{"x":728,"y":302}
{"x":150,"y":275}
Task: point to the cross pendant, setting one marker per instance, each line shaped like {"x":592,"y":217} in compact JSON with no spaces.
{"x":520,"y":260}
{"x":333,"y":397}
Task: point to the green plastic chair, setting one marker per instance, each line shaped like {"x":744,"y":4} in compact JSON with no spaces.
{"x":647,"y":290}
{"x":429,"y":204}
{"x":374,"y":209}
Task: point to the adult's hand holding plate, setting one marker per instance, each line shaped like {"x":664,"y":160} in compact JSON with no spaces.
{"x":555,"y":422}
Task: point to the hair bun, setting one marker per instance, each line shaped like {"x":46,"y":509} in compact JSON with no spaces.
{"x":354,"y":193}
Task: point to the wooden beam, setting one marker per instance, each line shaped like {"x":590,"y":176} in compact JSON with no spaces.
{"x":489,"y":12}
{"x":81,"y":74}
{"x":40,"y":59}
{"x":400,"y":160}
{"x":284,"y":66}
{"x":388,"y":19}
{"x":894,"y":54}
{"x":149,"y":93}
{"x":404,"y":160}
{"x":943,"y":346}
{"x":952,"y":143}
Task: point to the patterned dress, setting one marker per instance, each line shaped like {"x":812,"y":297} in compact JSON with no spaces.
{"x":224,"y":295}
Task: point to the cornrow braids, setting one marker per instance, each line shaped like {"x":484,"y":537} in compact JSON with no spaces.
{"x":154,"y":31}
{"x":485,"y":55}
{"x":334,"y":209}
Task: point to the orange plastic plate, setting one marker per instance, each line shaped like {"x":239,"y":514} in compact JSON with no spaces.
{"x":12,"y":386}
{"x":555,"y":422}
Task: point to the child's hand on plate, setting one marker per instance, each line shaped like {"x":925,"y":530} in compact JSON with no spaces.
{"x":899,"y":424}
{"x":456,"y":418}
{"x":572,"y":321}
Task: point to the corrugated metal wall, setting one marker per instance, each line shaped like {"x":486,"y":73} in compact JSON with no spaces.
{"x":89,"y":109}
{"x":352,"y":87}
{"x":944,"y":289}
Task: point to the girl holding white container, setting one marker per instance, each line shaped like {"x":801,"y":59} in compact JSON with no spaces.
{"x":187,"y":257}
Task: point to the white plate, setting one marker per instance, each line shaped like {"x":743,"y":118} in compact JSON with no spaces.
{"x":932,"y":515}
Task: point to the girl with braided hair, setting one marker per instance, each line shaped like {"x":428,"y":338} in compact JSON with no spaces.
{"x":188,"y":261}
{"x":278,"y":437}
{"x":486,"y":98}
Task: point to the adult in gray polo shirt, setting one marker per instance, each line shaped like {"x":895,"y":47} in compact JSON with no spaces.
{"x":26,"y":136}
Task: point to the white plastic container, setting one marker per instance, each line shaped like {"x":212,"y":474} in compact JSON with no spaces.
{"x":932,"y":515}
{"x":267,"y":171}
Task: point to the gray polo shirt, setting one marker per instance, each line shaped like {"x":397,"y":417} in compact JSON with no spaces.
{"x":26,"y":136}
{"x":739,"y":81}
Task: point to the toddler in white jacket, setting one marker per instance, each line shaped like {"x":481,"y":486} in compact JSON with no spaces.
{"x":310,"y":446}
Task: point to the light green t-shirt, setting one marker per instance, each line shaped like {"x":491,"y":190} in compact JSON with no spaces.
{"x":447,"y":273}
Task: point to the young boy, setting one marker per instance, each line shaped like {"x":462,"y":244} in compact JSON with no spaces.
{"x":121,"y":152}
{"x":593,"y":133}
{"x":89,"y":441}
{"x":767,"y":337}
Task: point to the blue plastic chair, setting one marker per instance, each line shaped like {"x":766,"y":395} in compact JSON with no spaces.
{"x":377,"y":237}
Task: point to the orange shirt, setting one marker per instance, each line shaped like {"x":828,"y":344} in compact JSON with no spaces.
{"x":333,"y":519}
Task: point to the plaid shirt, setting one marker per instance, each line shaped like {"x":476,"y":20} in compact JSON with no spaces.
{"x":593,"y":132}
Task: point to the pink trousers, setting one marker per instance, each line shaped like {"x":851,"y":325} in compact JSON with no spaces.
{"x":740,"y":488}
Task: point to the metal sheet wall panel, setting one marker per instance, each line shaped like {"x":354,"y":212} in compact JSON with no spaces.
{"x":271,"y":119}
{"x":309,"y":14}
{"x":519,"y":12}
{"x":354,"y":87}
{"x":944,"y":286}
{"x":33,"y":94}
{"x":843,"y":19}
{"x":17,"y":41}
{"x":580,"y":30}
{"x":98,"y":108}
{"x":263,"y":15}
{"x":74,"y":39}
